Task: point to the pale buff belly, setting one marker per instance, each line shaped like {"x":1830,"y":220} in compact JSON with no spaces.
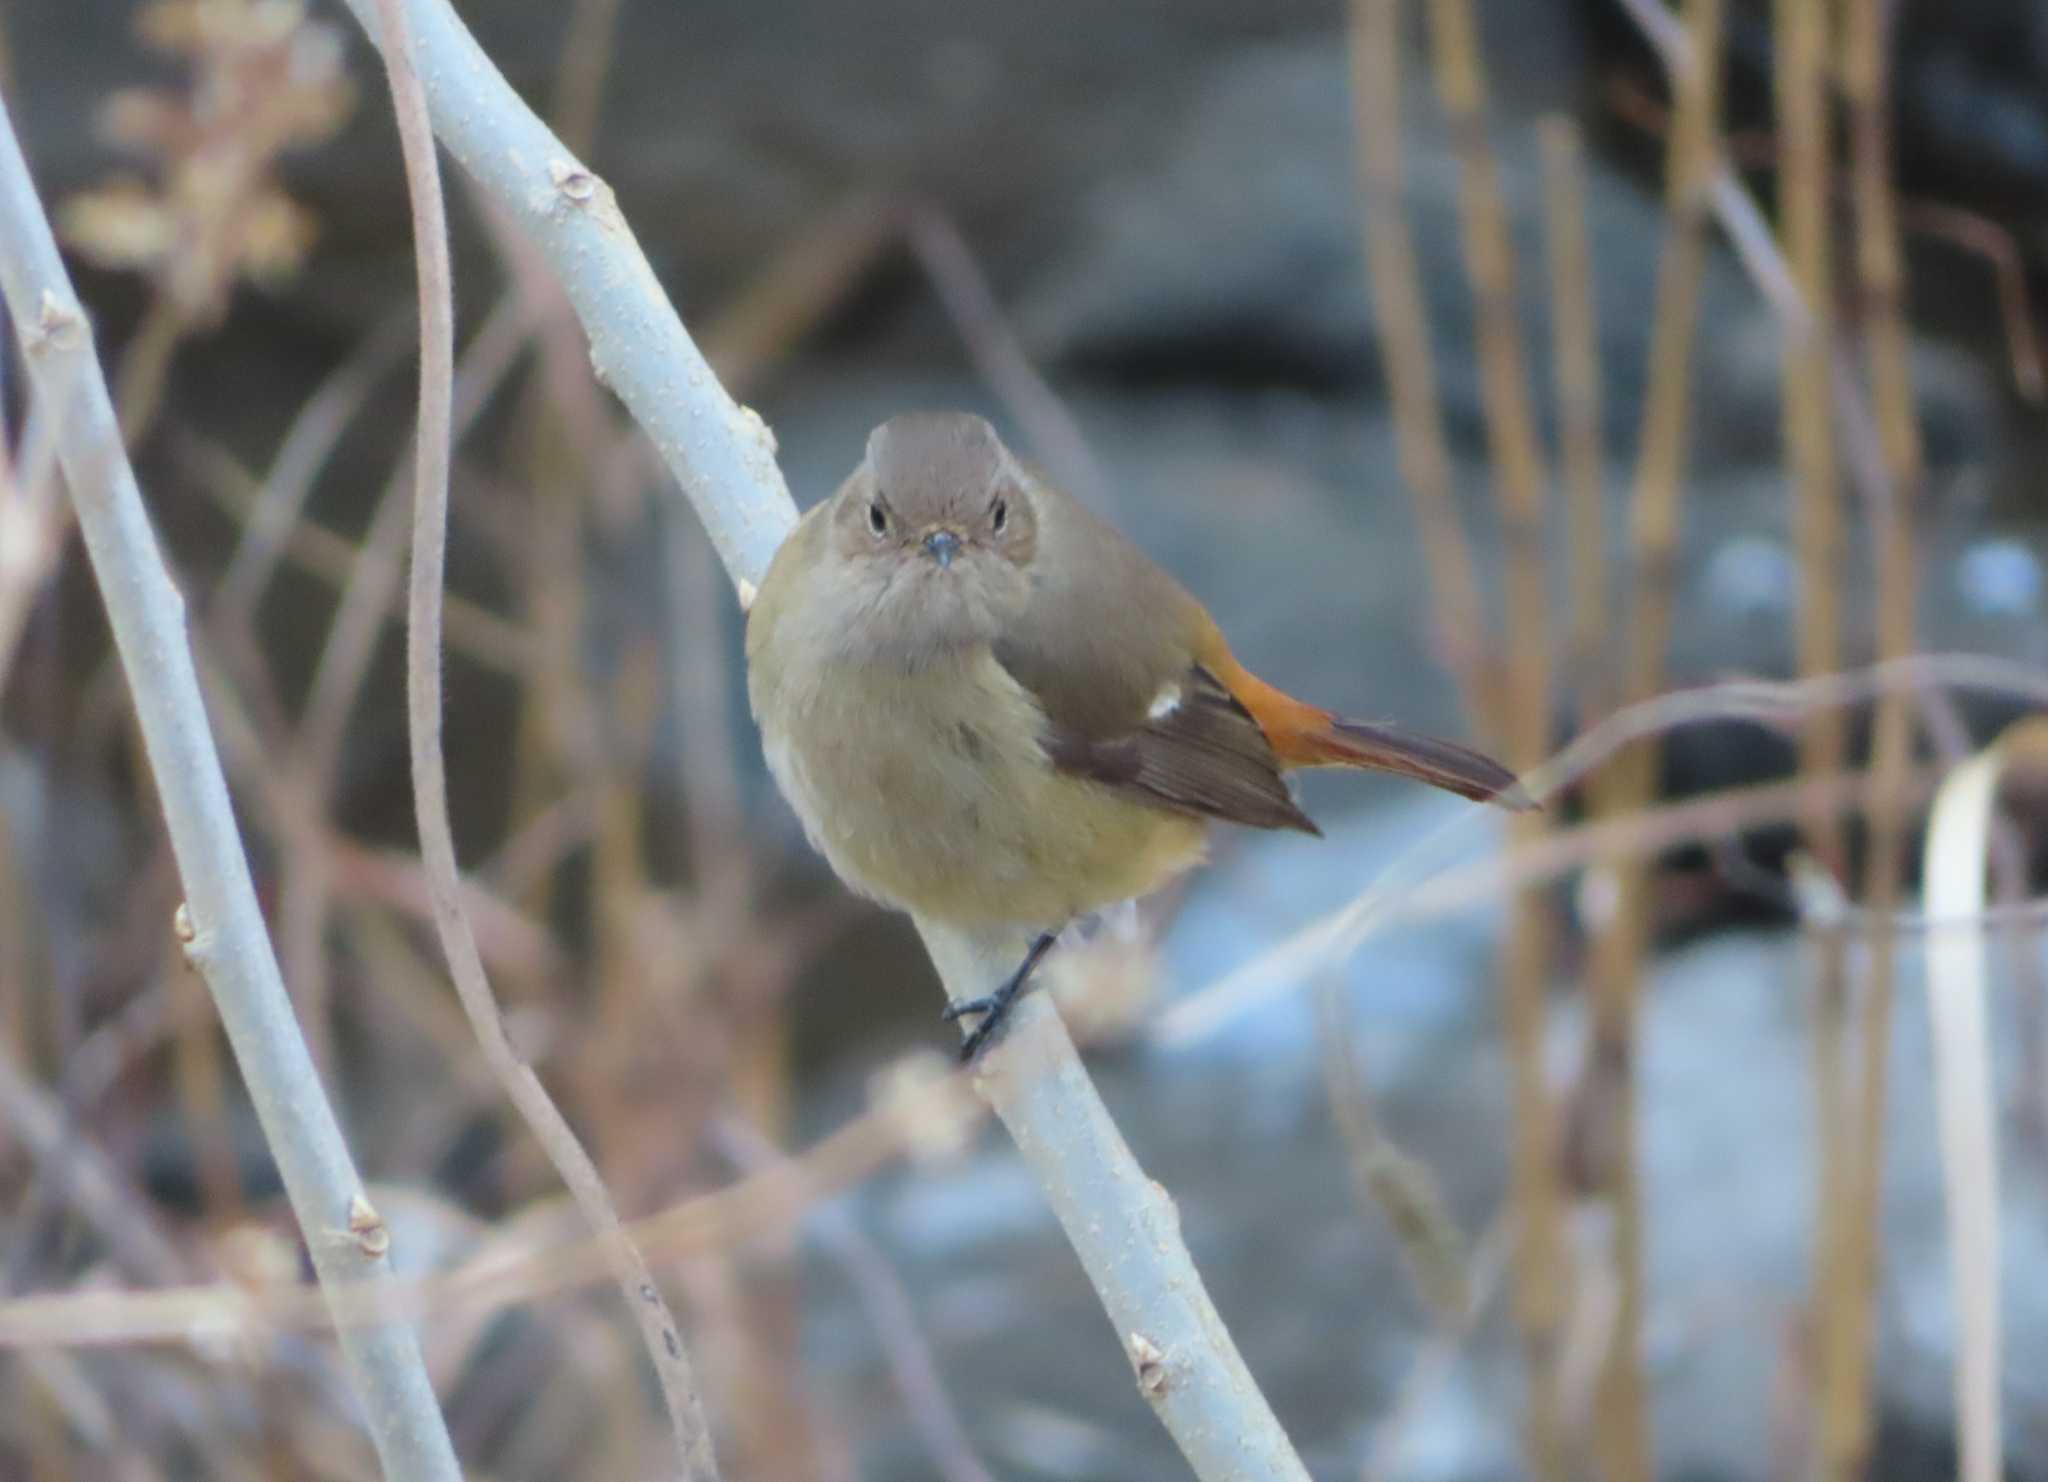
{"x":929,"y":792}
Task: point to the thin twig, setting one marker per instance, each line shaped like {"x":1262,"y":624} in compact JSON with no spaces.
{"x":1387,"y":1178}
{"x":145,"y":366}
{"x":880,"y":1290}
{"x":221,"y":924}
{"x":301,"y":455}
{"x":1989,"y":240}
{"x":474,"y":631}
{"x":430,"y":783}
{"x":86,"y":1177}
{"x":825,"y":258}
{"x":1434,"y":1364}
{"x":999,"y":356}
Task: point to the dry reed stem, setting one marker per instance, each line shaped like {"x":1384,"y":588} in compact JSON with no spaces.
{"x":1660,"y":471}
{"x":1542,"y":1273}
{"x":1457,"y":616}
{"x":1847,"y":1424}
{"x":1622,"y":1444}
{"x":1841,"y":1293}
{"x":1798,"y":53}
{"x":1577,"y":375}
{"x":708,"y":772}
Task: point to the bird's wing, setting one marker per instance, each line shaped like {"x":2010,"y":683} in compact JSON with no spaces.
{"x":1108,"y":648}
{"x":1205,"y":756}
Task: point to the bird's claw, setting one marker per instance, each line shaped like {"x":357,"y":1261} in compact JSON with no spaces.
{"x":995,"y":1007}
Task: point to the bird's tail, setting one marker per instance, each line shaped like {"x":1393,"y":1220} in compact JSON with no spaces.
{"x":1376,"y":748}
{"x":1304,"y":736}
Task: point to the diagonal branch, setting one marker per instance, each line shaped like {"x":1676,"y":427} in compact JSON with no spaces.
{"x":1122,"y":1225}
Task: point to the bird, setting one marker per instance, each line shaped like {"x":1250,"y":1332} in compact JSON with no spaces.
{"x":993,"y":711}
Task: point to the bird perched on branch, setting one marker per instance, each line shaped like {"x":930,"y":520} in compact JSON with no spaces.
{"x":993,"y":711}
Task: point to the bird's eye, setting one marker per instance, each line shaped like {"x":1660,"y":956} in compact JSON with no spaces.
{"x":999,"y":516}
{"x":878,"y":521}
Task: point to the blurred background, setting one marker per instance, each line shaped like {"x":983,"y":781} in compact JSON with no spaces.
{"x":1583,"y":1179}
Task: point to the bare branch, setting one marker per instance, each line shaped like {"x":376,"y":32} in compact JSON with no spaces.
{"x":221,"y":924}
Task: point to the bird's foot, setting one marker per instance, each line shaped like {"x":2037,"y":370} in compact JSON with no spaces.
{"x":995,"y":1007}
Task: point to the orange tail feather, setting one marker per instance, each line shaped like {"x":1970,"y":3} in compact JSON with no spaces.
{"x":1304,"y":736}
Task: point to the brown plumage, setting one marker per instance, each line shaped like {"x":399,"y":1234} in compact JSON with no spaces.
{"x":992,"y":710}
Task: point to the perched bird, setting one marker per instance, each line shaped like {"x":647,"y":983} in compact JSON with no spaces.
{"x":993,"y":711}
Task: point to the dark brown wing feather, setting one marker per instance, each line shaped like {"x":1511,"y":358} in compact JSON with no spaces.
{"x":1207,"y":756}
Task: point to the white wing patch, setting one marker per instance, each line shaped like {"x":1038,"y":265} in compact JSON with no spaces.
{"x":1164,"y":703}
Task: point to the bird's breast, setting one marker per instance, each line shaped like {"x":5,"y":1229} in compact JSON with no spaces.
{"x":929,"y":788}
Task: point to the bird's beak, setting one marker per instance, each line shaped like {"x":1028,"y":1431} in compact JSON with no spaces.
{"x":942,"y":546}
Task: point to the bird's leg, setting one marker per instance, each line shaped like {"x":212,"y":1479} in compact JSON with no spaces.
{"x":995,"y":1007}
